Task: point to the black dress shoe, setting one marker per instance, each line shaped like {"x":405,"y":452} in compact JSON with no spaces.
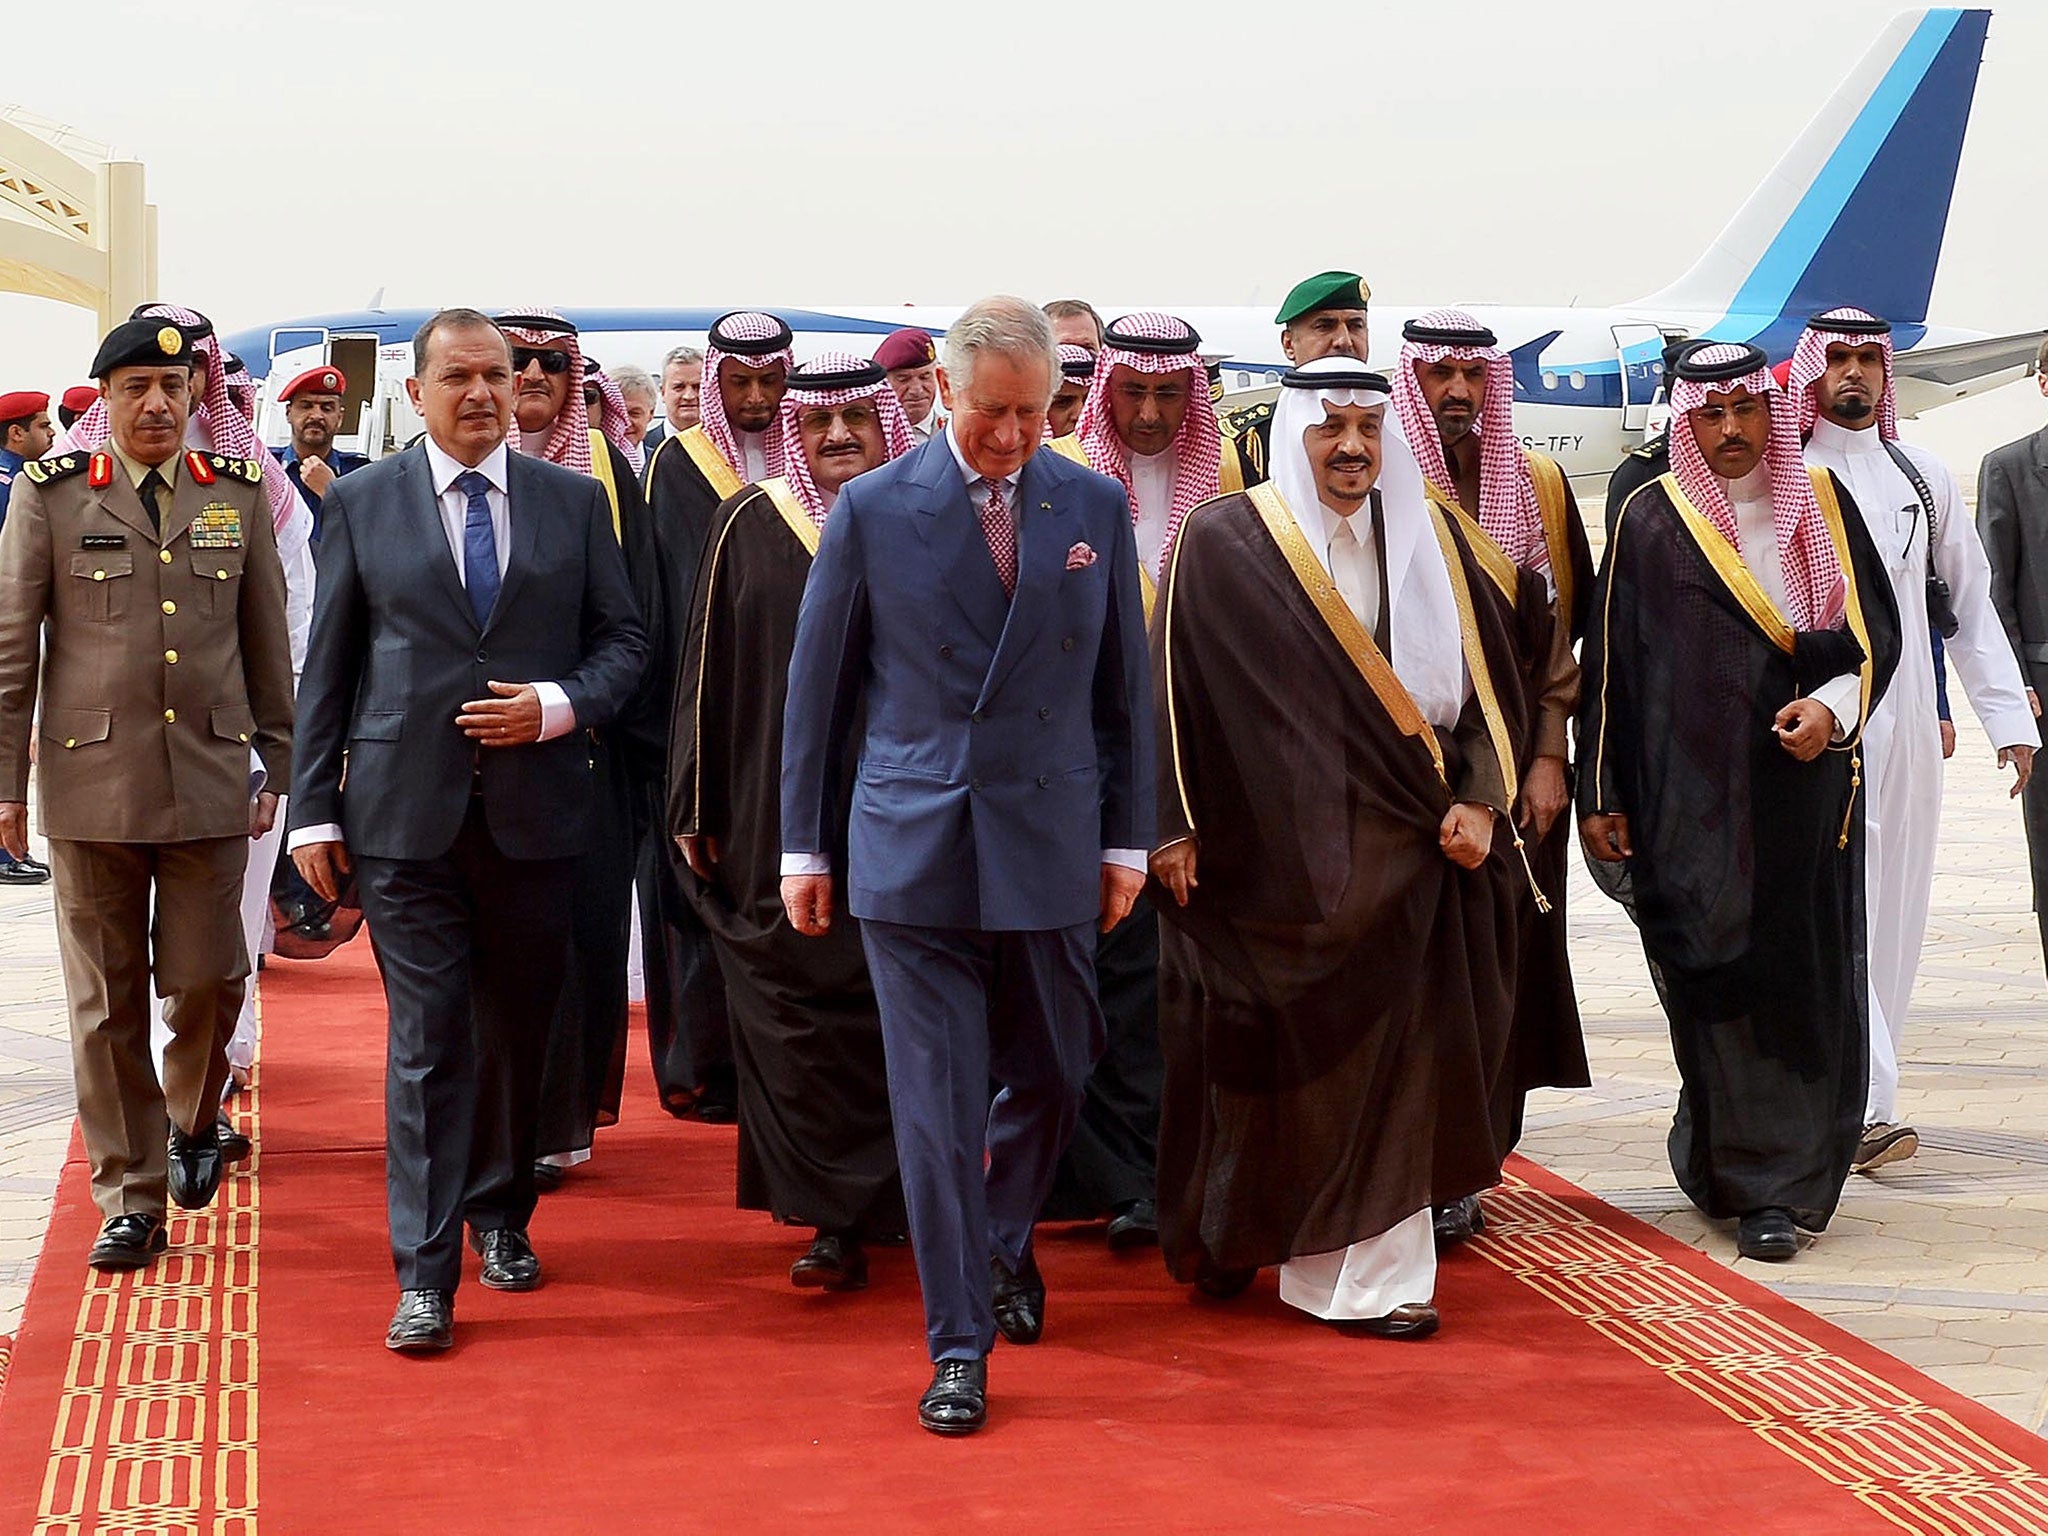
{"x":1458,"y":1221}
{"x":425,"y":1320}
{"x":23,"y":872}
{"x":128,"y":1242}
{"x":1220,"y":1284}
{"x":1767,"y":1235}
{"x":956,"y":1403}
{"x":1018,"y":1299}
{"x":195,"y":1167}
{"x":234,"y":1145}
{"x":1135,"y":1226}
{"x":835,"y":1262}
{"x":510,"y":1263}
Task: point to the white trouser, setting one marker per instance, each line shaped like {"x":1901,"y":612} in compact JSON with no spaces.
{"x":1368,"y":1279}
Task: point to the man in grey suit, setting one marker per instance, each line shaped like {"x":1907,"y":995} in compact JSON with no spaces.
{"x":975,"y":606}
{"x":2012,"y":521}
{"x":445,"y":571}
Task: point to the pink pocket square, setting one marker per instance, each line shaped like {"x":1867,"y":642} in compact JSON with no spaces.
{"x":1080,"y":557}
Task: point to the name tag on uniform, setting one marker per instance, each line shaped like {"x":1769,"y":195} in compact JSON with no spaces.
{"x":218,"y":526}
{"x":103,"y":541}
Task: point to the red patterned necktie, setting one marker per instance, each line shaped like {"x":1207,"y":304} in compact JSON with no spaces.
{"x":1001,"y":534}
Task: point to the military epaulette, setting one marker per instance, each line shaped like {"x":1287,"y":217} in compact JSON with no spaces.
{"x":1238,"y":421}
{"x":1652,"y":448}
{"x":43,"y":471}
{"x":249,"y":471}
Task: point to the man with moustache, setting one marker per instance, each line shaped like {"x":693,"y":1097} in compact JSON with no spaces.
{"x":582,"y":1083}
{"x":1743,"y":632}
{"x":1454,"y":401}
{"x":735,"y":443}
{"x":1841,"y":384}
{"x":974,"y":606}
{"x":313,"y":405}
{"x":912,"y":364}
{"x":815,"y":1145}
{"x":1322,"y":316}
{"x":474,"y":620}
{"x":142,"y":605}
{"x":1146,"y":424}
{"x":1336,"y":692}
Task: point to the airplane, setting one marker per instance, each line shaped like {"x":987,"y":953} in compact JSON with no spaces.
{"x":1854,"y":213}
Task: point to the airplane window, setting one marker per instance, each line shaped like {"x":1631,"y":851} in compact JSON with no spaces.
{"x":1578,"y":379}
{"x":1549,"y":380}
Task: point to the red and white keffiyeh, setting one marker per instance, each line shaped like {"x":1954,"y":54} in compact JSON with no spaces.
{"x":568,"y":437}
{"x":1810,"y":361}
{"x":805,"y":394}
{"x":226,"y":429}
{"x":741,"y":325}
{"x":1508,"y":509}
{"x":1197,"y":448}
{"x":612,"y":419}
{"x":1813,"y":574}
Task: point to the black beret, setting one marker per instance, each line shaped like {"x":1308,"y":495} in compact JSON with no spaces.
{"x":143,"y":344}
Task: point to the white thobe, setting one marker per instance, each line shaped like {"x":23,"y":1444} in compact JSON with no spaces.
{"x":1396,"y":1268}
{"x":1152,"y":504}
{"x":1750,"y":497}
{"x":1902,"y":767}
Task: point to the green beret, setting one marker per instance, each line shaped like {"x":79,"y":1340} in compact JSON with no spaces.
{"x":1326,"y":290}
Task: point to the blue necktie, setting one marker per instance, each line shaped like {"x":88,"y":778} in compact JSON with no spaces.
{"x":479,"y":547}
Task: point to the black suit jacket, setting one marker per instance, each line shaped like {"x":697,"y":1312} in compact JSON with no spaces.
{"x":395,"y":653}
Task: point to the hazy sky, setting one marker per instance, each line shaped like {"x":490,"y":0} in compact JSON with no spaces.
{"x":305,"y":155}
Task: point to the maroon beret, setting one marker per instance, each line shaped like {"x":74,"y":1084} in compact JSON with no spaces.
{"x":326,"y":379}
{"x":908,"y":348}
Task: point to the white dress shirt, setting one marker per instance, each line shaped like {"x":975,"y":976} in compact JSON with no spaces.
{"x":977,"y":497}
{"x":557,"y":715}
{"x":1758,"y":530}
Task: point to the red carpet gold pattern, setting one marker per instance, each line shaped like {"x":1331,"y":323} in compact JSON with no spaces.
{"x":156,"y":1427}
{"x":1913,"y":1463}
{"x":668,"y":1377}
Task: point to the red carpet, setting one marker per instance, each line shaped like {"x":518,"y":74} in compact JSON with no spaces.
{"x":1591,"y":1374}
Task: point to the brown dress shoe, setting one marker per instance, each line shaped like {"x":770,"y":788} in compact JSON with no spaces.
{"x":1413,"y":1320}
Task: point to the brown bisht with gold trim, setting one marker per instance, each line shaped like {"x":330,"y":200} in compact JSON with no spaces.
{"x":816,"y":1146}
{"x":1335,"y":998}
{"x":1747,"y":876}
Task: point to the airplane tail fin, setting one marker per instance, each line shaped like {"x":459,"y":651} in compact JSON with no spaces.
{"x":1855,"y":211}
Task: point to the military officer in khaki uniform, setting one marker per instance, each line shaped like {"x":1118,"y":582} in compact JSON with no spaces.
{"x":147,"y":577}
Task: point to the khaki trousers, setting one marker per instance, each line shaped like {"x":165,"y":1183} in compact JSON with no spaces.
{"x":106,"y":938}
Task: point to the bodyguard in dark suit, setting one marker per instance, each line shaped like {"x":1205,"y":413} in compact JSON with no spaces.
{"x":979,"y":600}
{"x":445,"y":571}
{"x":2012,"y":521}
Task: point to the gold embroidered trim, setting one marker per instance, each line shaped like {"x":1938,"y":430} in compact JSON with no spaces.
{"x":1727,"y":563}
{"x":1343,"y":623}
{"x":723,"y":479}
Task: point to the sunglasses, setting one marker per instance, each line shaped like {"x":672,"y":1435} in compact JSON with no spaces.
{"x":551,"y":359}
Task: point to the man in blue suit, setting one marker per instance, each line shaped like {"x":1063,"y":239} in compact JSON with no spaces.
{"x":976,"y":604}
